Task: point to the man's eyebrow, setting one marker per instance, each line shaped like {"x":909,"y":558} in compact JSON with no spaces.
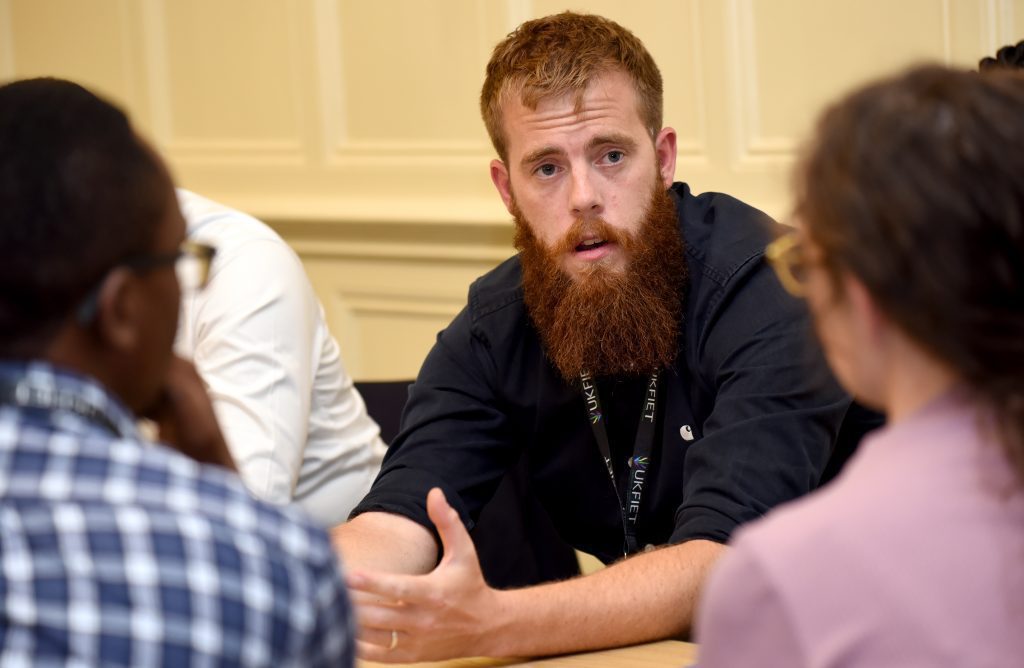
{"x":613,"y":139}
{"x":540,"y":154}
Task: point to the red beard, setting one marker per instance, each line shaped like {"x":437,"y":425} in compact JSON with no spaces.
{"x":607,"y":322}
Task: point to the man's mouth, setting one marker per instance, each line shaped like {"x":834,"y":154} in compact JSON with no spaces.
{"x":590,"y":244}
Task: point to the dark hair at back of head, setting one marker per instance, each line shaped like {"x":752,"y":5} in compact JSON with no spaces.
{"x":78,"y":193}
{"x":915,"y":186}
{"x":1008,"y":57}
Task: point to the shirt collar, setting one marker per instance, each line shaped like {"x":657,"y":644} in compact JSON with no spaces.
{"x":70,"y":392}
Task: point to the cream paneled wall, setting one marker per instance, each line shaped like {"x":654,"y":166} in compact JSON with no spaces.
{"x":352,"y":126}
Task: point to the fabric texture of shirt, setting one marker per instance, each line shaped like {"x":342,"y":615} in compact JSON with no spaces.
{"x":748,"y":412}
{"x":116,"y":551}
{"x":296,"y":425}
{"x":912,"y":557}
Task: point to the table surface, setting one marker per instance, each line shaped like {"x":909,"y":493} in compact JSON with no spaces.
{"x":652,"y":655}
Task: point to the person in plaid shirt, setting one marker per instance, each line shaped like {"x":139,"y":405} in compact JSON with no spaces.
{"x":115,"y":550}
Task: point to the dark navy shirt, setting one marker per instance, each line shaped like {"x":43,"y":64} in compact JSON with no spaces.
{"x":747,"y":415}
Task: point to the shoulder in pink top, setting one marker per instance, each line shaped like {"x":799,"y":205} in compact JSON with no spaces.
{"x":914,"y":556}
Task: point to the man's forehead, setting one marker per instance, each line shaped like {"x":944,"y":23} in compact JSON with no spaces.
{"x":520,"y":94}
{"x":608,"y":102}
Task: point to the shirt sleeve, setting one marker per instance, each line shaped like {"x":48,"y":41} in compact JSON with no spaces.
{"x":775,"y":413}
{"x":454,"y":421}
{"x":742,"y":619}
{"x":253,"y":341}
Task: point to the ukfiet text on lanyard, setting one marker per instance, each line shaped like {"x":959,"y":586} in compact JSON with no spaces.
{"x":639,"y":462}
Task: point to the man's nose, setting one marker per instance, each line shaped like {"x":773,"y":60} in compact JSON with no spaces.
{"x":585,"y":198}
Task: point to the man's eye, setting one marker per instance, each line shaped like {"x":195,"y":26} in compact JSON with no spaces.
{"x":546,"y":170}
{"x":614,"y":156}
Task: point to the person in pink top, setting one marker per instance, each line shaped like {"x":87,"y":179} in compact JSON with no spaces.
{"x":910,"y":254}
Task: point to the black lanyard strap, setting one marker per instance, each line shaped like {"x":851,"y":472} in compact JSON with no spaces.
{"x":46,"y":398}
{"x":640,"y":461}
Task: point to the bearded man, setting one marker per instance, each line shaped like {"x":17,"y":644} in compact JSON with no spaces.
{"x":638,"y":352}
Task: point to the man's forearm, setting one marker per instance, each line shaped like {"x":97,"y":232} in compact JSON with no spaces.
{"x":647,"y":597}
{"x":386,"y":543}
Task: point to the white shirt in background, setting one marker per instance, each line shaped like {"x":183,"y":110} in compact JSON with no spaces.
{"x":295,"y":424}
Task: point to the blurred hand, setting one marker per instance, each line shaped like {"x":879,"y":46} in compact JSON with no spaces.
{"x":446,"y":613}
{"x":184,"y":417}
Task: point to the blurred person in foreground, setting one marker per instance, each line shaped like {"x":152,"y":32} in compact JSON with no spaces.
{"x":910,"y":254}
{"x":638,"y":354}
{"x":115,"y":550}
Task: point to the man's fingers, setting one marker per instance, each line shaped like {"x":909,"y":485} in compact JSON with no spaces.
{"x":389,"y":586}
{"x":382,"y":637}
{"x":385,"y":617}
{"x":380,"y":653}
{"x":454,"y":537}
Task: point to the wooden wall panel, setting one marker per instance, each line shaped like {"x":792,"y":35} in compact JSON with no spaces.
{"x":353,"y":126}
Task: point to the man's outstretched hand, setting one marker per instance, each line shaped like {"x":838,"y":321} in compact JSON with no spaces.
{"x":446,"y":613}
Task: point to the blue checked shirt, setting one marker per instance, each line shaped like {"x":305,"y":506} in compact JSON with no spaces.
{"x":116,"y":551}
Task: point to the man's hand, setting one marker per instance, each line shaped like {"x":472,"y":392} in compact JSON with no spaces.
{"x":446,"y":613}
{"x":451,"y":612}
{"x":185,"y":419}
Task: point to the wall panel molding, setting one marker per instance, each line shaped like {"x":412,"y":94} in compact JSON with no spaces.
{"x":693,"y":148}
{"x":154,"y":49}
{"x":225,"y":150}
{"x":999,"y":23}
{"x":947,"y":31}
{"x":382,"y":250}
{"x":755,"y":148}
{"x":332,"y":96}
{"x":401,"y":305}
{"x":750,"y":146}
{"x":7,"y":68}
{"x":343,"y":149}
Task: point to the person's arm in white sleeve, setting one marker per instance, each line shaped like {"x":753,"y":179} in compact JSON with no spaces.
{"x":252,"y":330}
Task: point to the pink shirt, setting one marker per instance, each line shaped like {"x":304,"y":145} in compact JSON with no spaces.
{"x":914,"y":556}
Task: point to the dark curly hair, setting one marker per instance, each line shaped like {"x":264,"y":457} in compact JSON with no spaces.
{"x":1008,"y":57}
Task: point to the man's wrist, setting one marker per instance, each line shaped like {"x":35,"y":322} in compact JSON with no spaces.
{"x":499,"y":633}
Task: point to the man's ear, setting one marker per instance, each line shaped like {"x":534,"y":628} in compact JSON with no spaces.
{"x":118,"y":310}
{"x":501,"y":180}
{"x":665,"y":149}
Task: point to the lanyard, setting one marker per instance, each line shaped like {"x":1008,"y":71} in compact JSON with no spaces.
{"x":26,"y":395}
{"x":639,"y":462}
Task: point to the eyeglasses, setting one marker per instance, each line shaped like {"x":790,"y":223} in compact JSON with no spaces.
{"x":787,"y":256}
{"x":191,"y":266}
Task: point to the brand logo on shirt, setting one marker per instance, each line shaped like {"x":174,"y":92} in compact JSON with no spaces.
{"x":686,"y":432}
